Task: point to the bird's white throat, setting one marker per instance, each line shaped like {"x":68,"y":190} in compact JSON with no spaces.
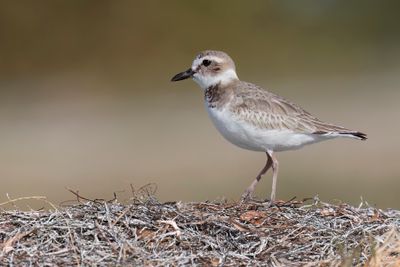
{"x":223,"y":78}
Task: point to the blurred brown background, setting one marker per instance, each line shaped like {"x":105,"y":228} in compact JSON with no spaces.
{"x":86,"y":102}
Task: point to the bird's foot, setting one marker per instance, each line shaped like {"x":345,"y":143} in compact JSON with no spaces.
{"x":247,"y":196}
{"x":270,"y":203}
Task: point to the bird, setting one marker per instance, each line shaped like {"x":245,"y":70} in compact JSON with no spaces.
{"x":253,"y":118}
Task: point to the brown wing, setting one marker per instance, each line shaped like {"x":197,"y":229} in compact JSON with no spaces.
{"x":267,"y":110}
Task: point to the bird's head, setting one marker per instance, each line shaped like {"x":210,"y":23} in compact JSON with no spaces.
{"x":210,"y":68}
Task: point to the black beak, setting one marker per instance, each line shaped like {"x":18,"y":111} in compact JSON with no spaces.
{"x":183,"y":75}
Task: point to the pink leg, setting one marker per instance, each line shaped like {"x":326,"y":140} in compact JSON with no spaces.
{"x":275,"y":166}
{"x":250,"y":190}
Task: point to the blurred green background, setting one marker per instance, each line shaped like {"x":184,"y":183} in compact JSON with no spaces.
{"x":86,"y":101}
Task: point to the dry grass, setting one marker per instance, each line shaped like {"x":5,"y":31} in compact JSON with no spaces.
{"x":146,"y":232}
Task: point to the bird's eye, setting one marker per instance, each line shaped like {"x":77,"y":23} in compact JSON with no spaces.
{"x":206,"y":62}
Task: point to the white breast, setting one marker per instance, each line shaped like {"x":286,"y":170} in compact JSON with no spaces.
{"x":247,"y":136}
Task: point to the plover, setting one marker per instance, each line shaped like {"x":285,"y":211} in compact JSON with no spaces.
{"x":253,"y":118}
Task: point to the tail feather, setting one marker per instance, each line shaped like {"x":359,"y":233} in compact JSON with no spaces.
{"x":359,"y":135}
{"x":353,"y":134}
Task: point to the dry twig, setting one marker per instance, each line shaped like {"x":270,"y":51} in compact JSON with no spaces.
{"x":150,"y":233}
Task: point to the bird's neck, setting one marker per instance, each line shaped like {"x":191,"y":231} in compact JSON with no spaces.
{"x":217,"y":96}
{"x":212,"y":95}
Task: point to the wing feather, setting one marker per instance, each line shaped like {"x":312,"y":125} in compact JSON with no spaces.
{"x":267,"y":110}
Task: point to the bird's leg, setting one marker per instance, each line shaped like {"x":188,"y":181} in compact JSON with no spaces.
{"x":249,"y":191}
{"x":275,"y":166}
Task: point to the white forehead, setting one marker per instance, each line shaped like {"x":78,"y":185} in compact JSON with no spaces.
{"x":199,"y":59}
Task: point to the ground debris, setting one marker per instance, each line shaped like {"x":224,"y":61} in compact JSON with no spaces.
{"x":149,"y":233}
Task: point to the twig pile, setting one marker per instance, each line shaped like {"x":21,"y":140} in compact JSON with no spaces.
{"x":146,"y":232}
